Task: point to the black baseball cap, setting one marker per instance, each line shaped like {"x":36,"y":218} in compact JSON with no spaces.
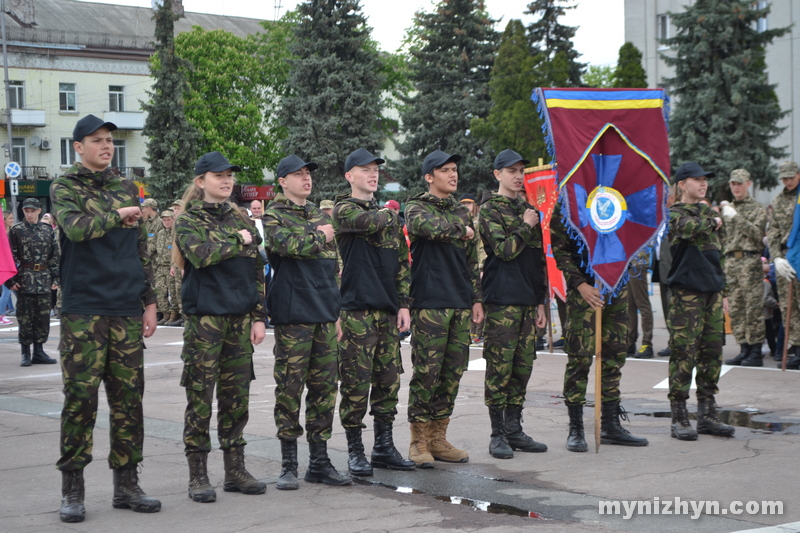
{"x":508,"y":157}
{"x":691,"y":169}
{"x":437,"y":159}
{"x":88,"y":125}
{"x":213,"y":162}
{"x":292,"y":163}
{"x":31,"y":203}
{"x":359,"y":158}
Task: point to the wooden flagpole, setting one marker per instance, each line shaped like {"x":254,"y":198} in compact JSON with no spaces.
{"x":598,"y":374}
{"x":787,"y":326}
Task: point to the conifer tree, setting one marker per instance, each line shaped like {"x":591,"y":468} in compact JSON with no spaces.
{"x":171,"y":139}
{"x":548,"y":36}
{"x":725,"y":111}
{"x":452,"y":52}
{"x":513,"y":121}
{"x":629,"y":71}
{"x":334,"y":106}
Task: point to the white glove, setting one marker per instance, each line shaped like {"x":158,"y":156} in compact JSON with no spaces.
{"x":784,"y":269}
{"x":728,"y":212}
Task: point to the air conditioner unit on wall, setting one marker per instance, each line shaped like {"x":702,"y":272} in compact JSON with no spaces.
{"x":45,"y":145}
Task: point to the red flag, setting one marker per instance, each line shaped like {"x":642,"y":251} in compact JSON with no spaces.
{"x":542,"y":191}
{"x":8,"y":268}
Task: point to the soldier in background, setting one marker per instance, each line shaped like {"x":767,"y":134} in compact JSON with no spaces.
{"x":36,"y":254}
{"x":745,"y":223}
{"x":375,"y":303}
{"x":175,"y":277}
{"x":107,"y":280}
{"x":780,"y":227}
{"x":150,"y":217}
{"x":639,"y":304}
{"x":160,"y":249}
{"x":326,"y":206}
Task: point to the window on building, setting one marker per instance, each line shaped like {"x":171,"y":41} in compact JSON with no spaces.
{"x":662,"y":27}
{"x":761,"y":24}
{"x":120,"y":159}
{"x":116,"y":98}
{"x":17,"y":91}
{"x":66,"y":97}
{"x":19,"y":150}
{"x":68,"y":155}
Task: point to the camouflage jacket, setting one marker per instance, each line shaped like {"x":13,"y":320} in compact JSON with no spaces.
{"x":85,"y":205}
{"x":218,"y":262}
{"x":568,"y":254}
{"x":36,"y":254}
{"x":363,"y":221}
{"x":444,"y":221}
{"x":745,"y":231}
{"x":290,"y":230}
{"x":153,"y":226}
{"x":514,"y":269}
{"x":780,"y":223}
{"x":160,"y":247}
{"x":694,"y":225}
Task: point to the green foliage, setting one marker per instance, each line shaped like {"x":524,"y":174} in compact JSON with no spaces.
{"x":234,"y":82}
{"x":452,"y":51}
{"x":513,"y":121}
{"x":629,"y":72}
{"x":171,"y":139}
{"x":726,"y":113}
{"x":334,"y":104}
{"x":546,"y":35}
{"x":599,"y":76}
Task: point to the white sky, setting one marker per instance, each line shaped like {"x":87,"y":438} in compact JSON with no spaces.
{"x":600,"y":23}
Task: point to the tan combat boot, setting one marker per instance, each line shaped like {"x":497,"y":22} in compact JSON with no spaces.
{"x":438,"y":445}
{"x":418,"y":448}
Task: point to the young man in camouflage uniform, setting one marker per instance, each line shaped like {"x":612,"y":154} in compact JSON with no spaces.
{"x":106,"y":279}
{"x":639,"y":304}
{"x":150,"y":217}
{"x":375,"y":303}
{"x":745,"y":223}
{"x":583,"y":299}
{"x":695,"y":322}
{"x":160,"y":249}
{"x":780,"y":227}
{"x":304,"y":303}
{"x":514,"y":287}
{"x":35,"y":251}
{"x":445,"y":293}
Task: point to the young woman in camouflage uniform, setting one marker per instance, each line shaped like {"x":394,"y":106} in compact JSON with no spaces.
{"x":223,"y":291}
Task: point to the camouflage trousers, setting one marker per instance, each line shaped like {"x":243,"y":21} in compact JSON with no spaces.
{"x":696,"y":333}
{"x":162,"y":282}
{"x":579,"y":339}
{"x":175,"y":291}
{"x":639,"y":304}
{"x":792,"y":328}
{"x":33,"y":317}
{"x":369,"y":356}
{"x":305,"y":356}
{"x":107,"y":349}
{"x":746,"y":298}
{"x":216,"y":352}
{"x":509,"y":349}
{"x":440,"y":354}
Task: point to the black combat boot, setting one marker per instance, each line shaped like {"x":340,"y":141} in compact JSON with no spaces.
{"x":26,"y":355}
{"x":384,"y":454}
{"x":611,"y":431}
{"x":576,"y":442}
{"x":754,"y":356}
{"x":681,"y":429}
{"x":320,"y":469}
{"x":708,"y":423}
{"x":736,"y":361}
{"x":288,"y":479}
{"x":237,"y":478}
{"x":517,"y":439}
{"x":39,"y":357}
{"x":72,"y":509}
{"x":357,"y":462}
{"x":128,"y":494}
{"x":498,"y":446}
{"x":200,"y":489}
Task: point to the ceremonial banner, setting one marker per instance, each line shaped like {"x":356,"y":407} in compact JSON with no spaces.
{"x":542,"y":192}
{"x":611,"y":157}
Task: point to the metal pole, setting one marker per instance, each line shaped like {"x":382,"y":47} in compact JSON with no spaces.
{"x":8,"y":98}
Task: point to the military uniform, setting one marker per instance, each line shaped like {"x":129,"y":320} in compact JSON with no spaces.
{"x":36,"y":254}
{"x":160,"y":249}
{"x":780,"y":227}
{"x":639,"y":304}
